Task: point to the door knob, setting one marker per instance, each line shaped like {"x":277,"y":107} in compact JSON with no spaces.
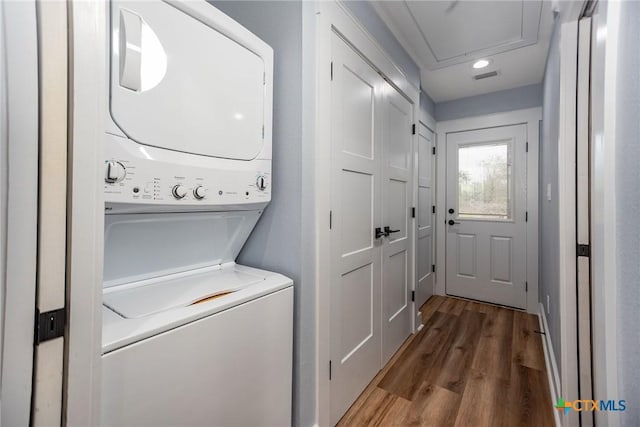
{"x":452,"y":222}
{"x":451,"y":210}
{"x":380,"y":233}
{"x":388,"y":230}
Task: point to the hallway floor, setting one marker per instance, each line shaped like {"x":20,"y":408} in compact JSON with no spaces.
{"x":472,"y":364}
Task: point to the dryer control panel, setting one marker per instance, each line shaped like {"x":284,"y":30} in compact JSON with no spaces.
{"x":144,"y":175}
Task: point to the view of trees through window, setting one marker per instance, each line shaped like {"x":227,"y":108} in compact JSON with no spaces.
{"x":484,"y":181}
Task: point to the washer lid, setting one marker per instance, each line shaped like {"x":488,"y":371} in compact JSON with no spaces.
{"x":184,"y":83}
{"x":139,"y":247}
{"x":157,"y":296}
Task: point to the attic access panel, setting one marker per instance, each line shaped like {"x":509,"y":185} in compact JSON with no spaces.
{"x":453,"y":31}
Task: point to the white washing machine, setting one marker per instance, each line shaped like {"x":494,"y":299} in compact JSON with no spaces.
{"x":190,"y":338}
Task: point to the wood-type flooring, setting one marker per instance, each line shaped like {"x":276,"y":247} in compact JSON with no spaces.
{"x":472,"y":364}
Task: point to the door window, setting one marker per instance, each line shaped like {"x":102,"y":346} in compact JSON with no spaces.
{"x":484,"y":181}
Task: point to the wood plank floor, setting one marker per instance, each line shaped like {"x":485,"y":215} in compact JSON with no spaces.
{"x":472,"y":364}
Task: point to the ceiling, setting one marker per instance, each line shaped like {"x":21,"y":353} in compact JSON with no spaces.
{"x":446,"y":37}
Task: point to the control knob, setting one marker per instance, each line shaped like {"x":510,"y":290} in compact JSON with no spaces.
{"x":199,"y":192}
{"x":116,"y":172}
{"x":261,"y":183}
{"x":179,"y":192}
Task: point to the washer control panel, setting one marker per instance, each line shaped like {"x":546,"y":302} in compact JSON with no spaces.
{"x":134,"y":174}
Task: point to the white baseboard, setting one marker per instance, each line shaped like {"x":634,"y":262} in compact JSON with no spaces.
{"x":550,"y":362}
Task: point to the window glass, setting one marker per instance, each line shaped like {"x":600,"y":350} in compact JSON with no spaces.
{"x":484,"y":181}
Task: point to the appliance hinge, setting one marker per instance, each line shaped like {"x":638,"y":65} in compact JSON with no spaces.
{"x":526,"y":216}
{"x":413,"y":129}
{"x":50,"y":325}
{"x":526,"y":286}
{"x":433,"y":209}
{"x":329,"y":370}
{"x":332,"y":70}
{"x":433,"y":150}
{"x":413,"y":212}
{"x":584,"y":250}
{"x":330,"y":220}
{"x":413,"y":296}
{"x":526,"y":149}
{"x":433,"y":268}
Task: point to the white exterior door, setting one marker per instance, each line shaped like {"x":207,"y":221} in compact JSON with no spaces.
{"x":355,"y":211}
{"x":486,"y":215}
{"x":424,"y":218}
{"x":396,"y":219}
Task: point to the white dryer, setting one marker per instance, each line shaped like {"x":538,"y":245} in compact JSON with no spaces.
{"x":190,"y":338}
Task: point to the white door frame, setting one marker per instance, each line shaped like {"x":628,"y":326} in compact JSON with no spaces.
{"x":334,"y":16}
{"x":530,"y":117}
{"x":87,"y":107}
{"x":20,"y":198}
{"x":603,"y":211}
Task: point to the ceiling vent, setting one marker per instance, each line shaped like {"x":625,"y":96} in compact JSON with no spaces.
{"x":485,"y":75}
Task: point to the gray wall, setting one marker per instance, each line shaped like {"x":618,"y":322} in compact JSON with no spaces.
{"x":427,"y":104}
{"x":276,"y":242}
{"x":496,"y":102}
{"x":549,"y":220}
{"x":628,"y":210}
{"x":364,"y":12}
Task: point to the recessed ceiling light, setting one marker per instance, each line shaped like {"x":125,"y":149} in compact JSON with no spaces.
{"x":481,"y":63}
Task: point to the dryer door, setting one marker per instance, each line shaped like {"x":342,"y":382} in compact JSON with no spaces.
{"x":180,"y":84}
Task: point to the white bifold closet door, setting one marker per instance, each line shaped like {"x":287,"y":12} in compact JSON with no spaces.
{"x":371,"y":169}
{"x":425,"y":264}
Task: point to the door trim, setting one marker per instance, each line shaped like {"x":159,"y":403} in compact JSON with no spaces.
{"x":19,"y":191}
{"x":530,"y":117}
{"x":330,"y":17}
{"x":85,"y":210}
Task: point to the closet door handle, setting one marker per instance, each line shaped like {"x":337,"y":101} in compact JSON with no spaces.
{"x":388,"y":230}
{"x":380,"y":233}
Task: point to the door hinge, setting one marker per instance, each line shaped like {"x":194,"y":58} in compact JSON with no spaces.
{"x":413,"y":129}
{"x":264,"y":78}
{"x":50,"y":325}
{"x":330,"y":220}
{"x":433,"y":209}
{"x":526,"y":216}
{"x":413,"y":296}
{"x":526,"y":286}
{"x":331,"y":70}
{"x":584,"y":250}
{"x":526,"y":147}
{"x":413,"y":212}
{"x":433,"y":150}
{"x":433,"y":268}
{"x":329,"y":370}
{"x":263,"y":132}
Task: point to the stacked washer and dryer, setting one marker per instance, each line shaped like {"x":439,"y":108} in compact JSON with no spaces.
{"x":190,"y":338}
